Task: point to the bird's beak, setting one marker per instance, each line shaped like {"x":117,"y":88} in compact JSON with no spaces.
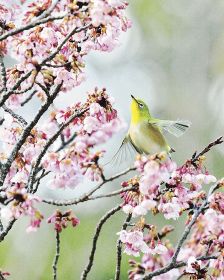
{"x":132,"y":96}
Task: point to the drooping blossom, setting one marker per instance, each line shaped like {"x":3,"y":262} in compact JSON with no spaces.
{"x":62,"y":220}
{"x":134,"y":243}
{"x":20,"y":203}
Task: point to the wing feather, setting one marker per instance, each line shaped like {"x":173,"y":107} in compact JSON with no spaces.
{"x":126,"y":151}
{"x":176,"y":128}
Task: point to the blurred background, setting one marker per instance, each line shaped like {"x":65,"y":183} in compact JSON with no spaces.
{"x":172,"y":58}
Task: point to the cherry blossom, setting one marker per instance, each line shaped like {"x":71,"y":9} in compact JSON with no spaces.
{"x":134,"y":242}
{"x":20,"y":203}
{"x":62,"y":220}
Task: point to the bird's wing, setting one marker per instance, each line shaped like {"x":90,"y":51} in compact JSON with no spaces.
{"x":125,"y":152}
{"x":176,"y":128}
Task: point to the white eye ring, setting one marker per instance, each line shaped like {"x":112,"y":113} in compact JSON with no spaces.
{"x":140,"y":105}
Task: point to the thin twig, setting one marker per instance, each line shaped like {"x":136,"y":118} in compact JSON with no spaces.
{"x":48,"y":144}
{"x":3,"y":73}
{"x":95,"y":239}
{"x":50,"y":57}
{"x":49,"y":11}
{"x":28,"y":98}
{"x":19,"y":118}
{"x":66,"y":143}
{"x":70,"y":34}
{"x":29,"y":87}
{"x":57,"y":255}
{"x":30,"y":25}
{"x":6,"y":230}
{"x":43,"y":88}
{"x":119,"y":248}
{"x":177,"y":265}
{"x":187,"y":230}
{"x":88,"y":196}
{"x":1,"y":226}
{"x":174,"y":264}
{"x":26,"y":133}
{"x":15,"y":87}
{"x":196,"y":156}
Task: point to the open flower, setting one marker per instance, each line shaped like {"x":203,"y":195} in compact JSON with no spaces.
{"x":134,"y":243}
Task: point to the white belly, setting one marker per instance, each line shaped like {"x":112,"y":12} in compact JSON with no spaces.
{"x":147,"y":140}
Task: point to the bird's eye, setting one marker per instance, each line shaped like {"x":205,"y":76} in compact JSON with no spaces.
{"x":140,"y":105}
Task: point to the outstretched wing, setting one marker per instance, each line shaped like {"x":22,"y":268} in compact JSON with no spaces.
{"x":126,"y":151}
{"x":176,"y":128}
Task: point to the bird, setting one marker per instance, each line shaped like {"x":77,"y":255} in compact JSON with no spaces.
{"x":145,"y":133}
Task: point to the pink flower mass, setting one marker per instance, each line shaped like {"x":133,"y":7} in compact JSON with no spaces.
{"x":60,"y":147}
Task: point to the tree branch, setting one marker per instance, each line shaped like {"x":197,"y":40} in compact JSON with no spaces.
{"x":3,"y":73}
{"x":20,"y":119}
{"x":26,"y":133}
{"x":196,"y":156}
{"x":174,"y":264}
{"x":95,"y":239}
{"x":177,"y":265}
{"x":119,"y":248}
{"x":49,"y":11}
{"x":50,"y":57}
{"x":48,"y":144}
{"x":57,"y":255}
{"x":30,"y":25}
{"x":87,"y":196}
{"x":28,"y":98}
{"x":70,"y":34}
{"x":6,"y":230}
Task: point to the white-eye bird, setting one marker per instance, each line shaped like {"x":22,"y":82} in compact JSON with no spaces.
{"x":145,"y":134}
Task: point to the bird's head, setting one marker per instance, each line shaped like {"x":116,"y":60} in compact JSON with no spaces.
{"x":139,"y":110}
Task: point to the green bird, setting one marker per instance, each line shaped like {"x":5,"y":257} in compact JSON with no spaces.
{"x":145,"y":134}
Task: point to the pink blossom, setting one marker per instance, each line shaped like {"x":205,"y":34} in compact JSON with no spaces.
{"x":192,"y":263}
{"x":160,"y":249}
{"x":154,"y":173}
{"x":62,"y":220}
{"x":171,"y":210}
{"x":134,"y":242}
{"x":22,"y":204}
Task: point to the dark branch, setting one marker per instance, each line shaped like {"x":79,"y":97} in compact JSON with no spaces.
{"x":57,"y":255}
{"x":26,"y":133}
{"x":3,"y":73}
{"x":95,"y":239}
{"x":177,"y":265}
{"x":88,"y":196}
{"x":19,"y":118}
{"x":174,"y":264}
{"x":31,"y":95}
{"x":70,"y":34}
{"x":119,"y":248}
{"x":196,"y":156}
{"x":29,"y":26}
{"x":50,"y":57}
{"x":6,"y":230}
{"x":48,"y":144}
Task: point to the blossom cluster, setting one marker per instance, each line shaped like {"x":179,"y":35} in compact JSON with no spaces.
{"x":61,"y":220}
{"x":20,"y":203}
{"x":208,"y":238}
{"x":68,"y":161}
{"x":95,"y":127}
{"x":42,"y":53}
{"x":48,"y":43}
{"x":162,"y":187}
